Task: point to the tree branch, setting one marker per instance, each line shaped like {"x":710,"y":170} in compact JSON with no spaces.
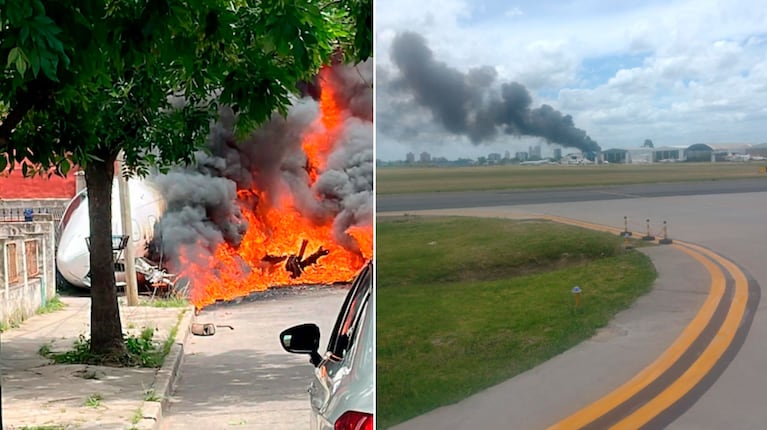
{"x":35,"y":93}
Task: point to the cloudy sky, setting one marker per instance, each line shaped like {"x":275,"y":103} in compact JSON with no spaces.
{"x":676,"y":72}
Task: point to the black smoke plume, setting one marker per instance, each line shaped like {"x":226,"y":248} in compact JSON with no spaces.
{"x":203,"y":209}
{"x":469,"y":104}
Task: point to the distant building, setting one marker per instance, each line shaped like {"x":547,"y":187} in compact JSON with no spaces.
{"x":759,"y":150}
{"x":535,"y":152}
{"x":666,"y":154}
{"x":507,"y":155}
{"x":640,"y":156}
{"x":715,"y":152}
{"x":425,"y":157}
{"x":521,"y":156}
{"x":615,"y":156}
{"x":494,"y":157}
{"x":557,"y":153}
{"x":410,"y":158}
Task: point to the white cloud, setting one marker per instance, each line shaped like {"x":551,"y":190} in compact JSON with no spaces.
{"x":513,"y":12}
{"x":702,"y":78}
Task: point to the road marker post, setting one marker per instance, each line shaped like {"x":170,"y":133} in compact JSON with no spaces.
{"x":625,"y":231}
{"x":649,"y":235}
{"x":626,"y":243}
{"x":665,"y":240}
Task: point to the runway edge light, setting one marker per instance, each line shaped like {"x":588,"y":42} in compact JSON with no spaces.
{"x":665,"y":240}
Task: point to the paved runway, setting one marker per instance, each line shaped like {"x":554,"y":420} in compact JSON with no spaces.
{"x":731,"y":224}
{"x":472,"y":199}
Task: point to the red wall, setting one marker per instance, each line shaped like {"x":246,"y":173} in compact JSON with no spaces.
{"x":14,"y":185}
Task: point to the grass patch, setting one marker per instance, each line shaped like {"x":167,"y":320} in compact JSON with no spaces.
{"x":166,"y":302}
{"x":400,"y":180}
{"x":52,"y":305}
{"x":94,"y":400}
{"x":45,"y":349}
{"x":465,"y":303}
{"x":142,"y":350}
{"x":137,"y":416}
{"x":151,"y":396}
{"x":14,"y":322}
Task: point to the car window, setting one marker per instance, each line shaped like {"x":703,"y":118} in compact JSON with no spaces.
{"x":342,"y":336}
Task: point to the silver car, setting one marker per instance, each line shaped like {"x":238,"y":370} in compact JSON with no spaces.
{"x":342,"y":390}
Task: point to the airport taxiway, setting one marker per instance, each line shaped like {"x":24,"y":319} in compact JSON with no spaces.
{"x":732,"y":225}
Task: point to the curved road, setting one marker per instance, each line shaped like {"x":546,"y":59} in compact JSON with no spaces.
{"x":727,"y":217}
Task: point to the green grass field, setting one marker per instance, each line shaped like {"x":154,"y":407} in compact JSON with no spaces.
{"x":398,"y":180}
{"x":465,"y":303}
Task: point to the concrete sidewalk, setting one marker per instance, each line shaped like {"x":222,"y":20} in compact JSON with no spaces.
{"x":38,"y":393}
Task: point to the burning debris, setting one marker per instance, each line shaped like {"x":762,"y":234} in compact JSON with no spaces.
{"x":296,"y":264}
{"x":234,"y":217}
{"x":470,"y":104}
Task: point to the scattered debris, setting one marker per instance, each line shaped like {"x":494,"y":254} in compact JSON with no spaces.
{"x":203,"y":329}
{"x":207,"y":329}
{"x":296,"y":263}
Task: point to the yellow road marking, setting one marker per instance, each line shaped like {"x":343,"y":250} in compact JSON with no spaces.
{"x":698,"y":370}
{"x":707,"y":359}
{"x":664,"y":361}
{"x":575,"y":222}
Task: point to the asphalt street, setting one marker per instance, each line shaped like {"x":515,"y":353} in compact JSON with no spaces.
{"x":242,"y":378}
{"x":729,"y":223}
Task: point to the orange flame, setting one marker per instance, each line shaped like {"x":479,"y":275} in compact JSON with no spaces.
{"x":276,"y":230}
{"x":318,"y":143}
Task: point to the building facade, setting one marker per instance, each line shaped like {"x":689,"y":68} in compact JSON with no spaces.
{"x":27,"y":268}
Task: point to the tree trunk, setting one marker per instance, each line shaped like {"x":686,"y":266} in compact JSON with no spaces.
{"x":106,"y":329}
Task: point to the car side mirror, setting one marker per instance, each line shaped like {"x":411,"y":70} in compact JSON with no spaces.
{"x":303,"y":339}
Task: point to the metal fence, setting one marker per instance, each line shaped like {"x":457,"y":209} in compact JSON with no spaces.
{"x":20,"y":211}
{"x":29,"y":214}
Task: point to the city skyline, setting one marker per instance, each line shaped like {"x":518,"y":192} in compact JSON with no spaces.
{"x":677,"y":73}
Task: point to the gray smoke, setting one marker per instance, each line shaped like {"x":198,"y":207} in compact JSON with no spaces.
{"x":200,"y":209}
{"x":469,"y":104}
{"x":202,"y":204}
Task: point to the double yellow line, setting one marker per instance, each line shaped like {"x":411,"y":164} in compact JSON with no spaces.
{"x":648,"y":409}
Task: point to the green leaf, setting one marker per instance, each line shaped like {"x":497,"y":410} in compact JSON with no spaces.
{"x":24,"y":34}
{"x":34,"y":61}
{"x":54,"y":43}
{"x":64,"y":167}
{"x":13,"y":56}
{"x":21,"y":66}
{"x":3,"y":162}
{"x":49,"y":64}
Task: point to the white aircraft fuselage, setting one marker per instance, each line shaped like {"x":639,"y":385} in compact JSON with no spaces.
{"x":73,"y":256}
